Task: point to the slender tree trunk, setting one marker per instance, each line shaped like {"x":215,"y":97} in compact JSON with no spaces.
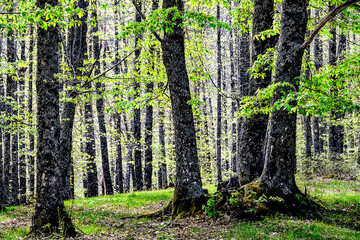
{"x":3,"y":196}
{"x":50,"y":214}
{"x":162,"y":173}
{"x":137,"y":112}
{"x":12,"y":138}
{"x":30,"y":156}
{"x":101,"y":115}
{"x":188,"y":192}
{"x":22,"y":159}
{"x":129,"y":157}
{"x":219,"y":112}
{"x":336,"y":130}
{"x":253,"y":129}
{"x":278,"y":176}
{"x":119,"y":185}
{"x":317,"y":130}
{"x":92,"y":174}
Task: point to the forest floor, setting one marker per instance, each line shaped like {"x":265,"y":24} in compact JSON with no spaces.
{"x":99,"y":218}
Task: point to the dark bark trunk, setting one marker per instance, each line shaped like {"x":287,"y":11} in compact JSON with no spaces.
{"x":162,"y":173}
{"x":92,"y":174}
{"x":253,"y":129}
{"x":119,"y":184}
{"x":219,"y":112}
{"x":148,"y":141}
{"x":278,"y":176}
{"x":233,"y":103}
{"x":76,"y":50}
{"x":101,"y":115}
{"x":22,"y":159}
{"x":30,"y":156}
{"x":118,"y":162}
{"x":336,"y":130}
{"x":11,"y":135}
{"x":3,"y":196}
{"x":188,"y":192}
{"x":129,"y":157}
{"x":137,"y":113}
{"x":317,"y":129}
{"x":50,"y":214}
{"x":149,"y":126}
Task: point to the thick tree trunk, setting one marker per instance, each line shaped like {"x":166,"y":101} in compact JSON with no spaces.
{"x":219,"y":112}
{"x":101,"y":115}
{"x":188,"y":193}
{"x":253,"y":129}
{"x":50,"y":214}
{"x":278,"y":176}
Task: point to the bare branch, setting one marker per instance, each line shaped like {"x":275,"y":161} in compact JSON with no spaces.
{"x":325,"y":20}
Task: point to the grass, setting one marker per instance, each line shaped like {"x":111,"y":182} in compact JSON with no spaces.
{"x":98,"y":218}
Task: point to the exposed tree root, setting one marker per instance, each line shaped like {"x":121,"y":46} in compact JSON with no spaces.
{"x":250,"y":202}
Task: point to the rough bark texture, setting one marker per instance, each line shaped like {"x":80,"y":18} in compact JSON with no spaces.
{"x":50,"y":214}
{"x":119,"y":185}
{"x":101,"y":116}
{"x":253,"y":130}
{"x":92,"y":174}
{"x":278,"y":176}
{"x":76,"y":50}
{"x":219,"y":112}
{"x":188,"y":192}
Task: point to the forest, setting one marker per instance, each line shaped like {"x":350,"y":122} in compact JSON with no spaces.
{"x":174,"y":119}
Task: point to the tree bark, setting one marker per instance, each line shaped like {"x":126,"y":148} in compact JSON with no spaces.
{"x":30,"y":156}
{"x":50,"y":214}
{"x":101,"y":115}
{"x":278,"y":176}
{"x":188,"y":192}
{"x":11,"y":135}
{"x":22,"y":159}
{"x":219,"y":112}
{"x":253,"y":129}
{"x":92,"y":174}
{"x":162,"y":173}
{"x":137,"y":112}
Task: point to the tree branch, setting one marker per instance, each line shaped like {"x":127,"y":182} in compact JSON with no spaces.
{"x":325,"y":20}
{"x":138,"y":9}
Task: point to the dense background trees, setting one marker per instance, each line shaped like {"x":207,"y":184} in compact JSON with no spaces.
{"x":175,"y":93}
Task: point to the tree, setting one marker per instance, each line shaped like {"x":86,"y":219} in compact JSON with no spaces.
{"x":218,"y":120}
{"x":76,"y":50}
{"x":188,"y":192}
{"x":50,"y":214}
{"x":100,"y":109}
{"x":278,"y":175}
{"x":253,"y":129}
